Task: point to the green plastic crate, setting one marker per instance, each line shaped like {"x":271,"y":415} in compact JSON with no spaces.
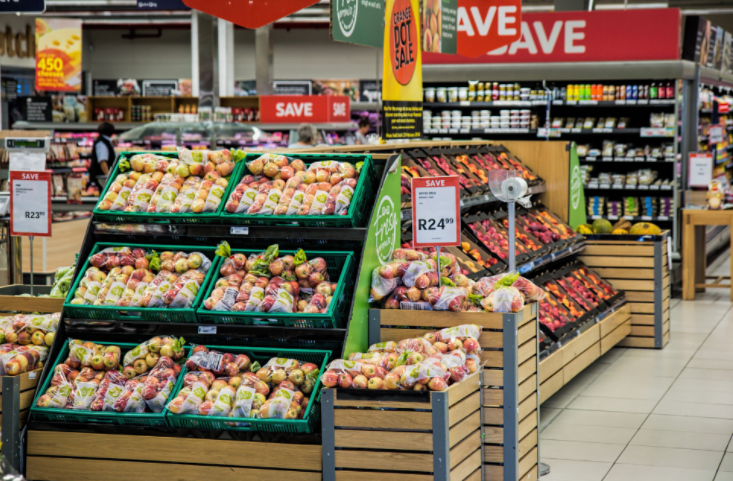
{"x":340,"y":270}
{"x":155,"y":314}
{"x":100,"y":417}
{"x":358,"y":209}
{"x":308,"y":424}
{"x":149,"y":217}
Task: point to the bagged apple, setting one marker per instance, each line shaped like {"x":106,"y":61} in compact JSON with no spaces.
{"x":83,"y":395}
{"x":166,"y":346}
{"x":159,"y":384}
{"x":131,"y":400}
{"x":504,"y":299}
{"x":109,"y":390}
{"x":192,"y":395}
{"x":186,"y":195}
{"x":450,"y":299}
{"x":408,"y":255}
{"x":57,"y":395}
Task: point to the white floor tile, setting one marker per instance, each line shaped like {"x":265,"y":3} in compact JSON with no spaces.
{"x":671,"y":457}
{"x":600,"y":418}
{"x":566,"y":470}
{"x":579,"y":451}
{"x":547,"y":416}
{"x":727,"y":464}
{"x":610,"y":404}
{"x":698,"y":363}
{"x":629,"y":472}
{"x":722,"y":476}
{"x":704,"y":410}
{"x":714,"y":374}
{"x":704,"y":384}
{"x":678,"y":439}
{"x":699,"y":396}
{"x":689,"y":424}
{"x":590,"y":434}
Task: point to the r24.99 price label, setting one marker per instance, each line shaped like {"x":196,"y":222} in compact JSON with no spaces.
{"x":434,"y":224}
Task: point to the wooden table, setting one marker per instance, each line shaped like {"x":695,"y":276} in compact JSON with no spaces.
{"x":694,"y":222}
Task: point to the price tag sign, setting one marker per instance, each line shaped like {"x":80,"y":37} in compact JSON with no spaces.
{"x":715,"y":134}
{"x":700,"y":169}
{"x":436,"y":212}
{"x":30,"y":203}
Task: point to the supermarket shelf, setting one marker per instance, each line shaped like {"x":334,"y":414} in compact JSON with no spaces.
{"x":542,"y":103}
{"x":478,"y":105}
{"x":643,"y":189}
{"x":84,"y":200}
{"x":321,"y":126}
{"x":481,"y":131}
{"x":370,"y":106}
{"x":669,"y":159}
{"x":544,"y":260}
{"x":23,"y":125}
{"x":291,"y":233}
{"x":561,"y":71}
{"x":634,"y":218}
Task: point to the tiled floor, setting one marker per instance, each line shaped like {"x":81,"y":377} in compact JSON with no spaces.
{"x":646,"y":415}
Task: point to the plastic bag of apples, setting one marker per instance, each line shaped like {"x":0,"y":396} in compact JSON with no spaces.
{"x":26,"y":329}
{"x":431,"y":362}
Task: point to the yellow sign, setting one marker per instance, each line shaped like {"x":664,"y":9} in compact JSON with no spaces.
{"x":58,"y":54}
{"x":402,"y":71}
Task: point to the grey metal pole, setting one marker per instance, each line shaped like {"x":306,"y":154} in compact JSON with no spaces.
{"x":31,"y":239}
{"x":264,"y":60}
{"x":512,"y":254}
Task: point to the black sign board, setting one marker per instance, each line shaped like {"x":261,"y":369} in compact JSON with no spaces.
{"x":25,"y":6}
{"x":159,"y":88}
{"x":292,"y":87}
{"x":161,"y":5}
{"x":370,"y":90}
{"x":39,"y":109}
{"x":101,"y":88}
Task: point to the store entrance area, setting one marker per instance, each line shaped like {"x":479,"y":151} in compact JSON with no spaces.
{"x":649,"y":415}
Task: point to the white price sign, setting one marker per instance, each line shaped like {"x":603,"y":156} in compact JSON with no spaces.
{"x":436,"y":211}
{"x":701,"y":169}
{"x":30,"y":203}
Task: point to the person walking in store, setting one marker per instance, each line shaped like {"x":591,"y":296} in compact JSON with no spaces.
{"x":103,"y":152}
{"x":307,"y":137}
{"x":362,"y":132}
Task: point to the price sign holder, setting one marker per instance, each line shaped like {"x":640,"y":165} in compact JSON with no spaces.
{"x":436,"y":213}
{"x":30,"y":206}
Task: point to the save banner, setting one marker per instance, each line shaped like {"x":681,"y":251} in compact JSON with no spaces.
{"x":402,"y":71}
{"x":249,"y":14}
{"x":58,"y":54}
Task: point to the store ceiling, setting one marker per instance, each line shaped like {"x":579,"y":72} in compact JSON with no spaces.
{"x":124,"y":12}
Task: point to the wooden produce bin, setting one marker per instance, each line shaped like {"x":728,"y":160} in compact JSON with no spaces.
{"x":507,"y":418}
{"x":12,"y":301}
{"x":17,"y":397}
{"x":71,"y":456}
{"x":560,"y":367}
{"x":638,"y":265}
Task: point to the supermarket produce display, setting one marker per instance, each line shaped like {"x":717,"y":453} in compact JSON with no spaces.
{"x":239,"y":319}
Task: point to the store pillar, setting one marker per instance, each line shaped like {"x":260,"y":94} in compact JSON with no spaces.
{"x":205,"y":58}
{"x":263,"y":60}
{"x":225,"y":40}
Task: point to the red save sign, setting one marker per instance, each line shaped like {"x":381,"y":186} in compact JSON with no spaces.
{"x":304,"y":108}
{"x":250,"y":13}
{"x":436,"y":211}
{"x":485,"y":25}
{"x":30,"y":203}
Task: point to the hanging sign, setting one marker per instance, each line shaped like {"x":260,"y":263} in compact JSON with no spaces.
{"x":58,"y":54}
{"x":486,"y":25}
{"x":30,"y":203}
{"x":357,"y":21}
{"x":701,"y":169}
{"x":716,"y":134}
{"x":577,"y":36}
{"x":304,"y":108}
{"x":402,"y":71}
{"x":23,"y":6}
{"x":252,"y":13}
{"x":436,"y":212}
{"x":439,"y":26}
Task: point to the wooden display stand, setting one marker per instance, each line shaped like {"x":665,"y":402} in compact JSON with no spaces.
{"x":448,"y":443}
{"x":560,"y":367}
{"x":641,"y":268}
{"x":17,"y":397}
{"x":508,"y":398}
{"x":62,"y":456}
{"x":694,"y":262}
{"x":12,"y":301}
{"x":59,"y":250}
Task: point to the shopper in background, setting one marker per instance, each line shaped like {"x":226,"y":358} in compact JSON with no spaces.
{"x":363,"y":129}
{"x":103,"y":152}
{"x":307,"y":137}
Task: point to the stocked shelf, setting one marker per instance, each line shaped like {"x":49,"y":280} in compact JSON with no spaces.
{"x":630,"y":188}
{"x":666,"y":159}
{"x":634,"y":218}
{"x":513,"y":131}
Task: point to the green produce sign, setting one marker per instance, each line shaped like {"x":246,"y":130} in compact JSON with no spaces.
{"x":576,"y":196}
{"x":383,"y":237}
{"x":439,"y":26}
{"x":358,"y":21}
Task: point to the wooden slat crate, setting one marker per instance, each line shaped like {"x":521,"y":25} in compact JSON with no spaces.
{"x":638,"y":265}
{"x":560,"y":367}
{"x":508,"y":399}
{"x":62,"y":456}
{"x":17,"y":397}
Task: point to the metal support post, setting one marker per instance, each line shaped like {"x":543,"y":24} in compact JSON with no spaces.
{"x":511,"y":401}
{"x":15,"y":258}
{"x":659,"y":248}
{"x":441,"y":448}
{"x":374,"y":332}
{"x":689,"y":117}
{"x":263,"y":60}
{"x":481,"y":415}
{"x":11,"y":420}
{"x":31,"y":241}
{"x":208,"y":68}
{"x":512,"y":234}
{"x":225,"y":43}
{"x":328,"y":435}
